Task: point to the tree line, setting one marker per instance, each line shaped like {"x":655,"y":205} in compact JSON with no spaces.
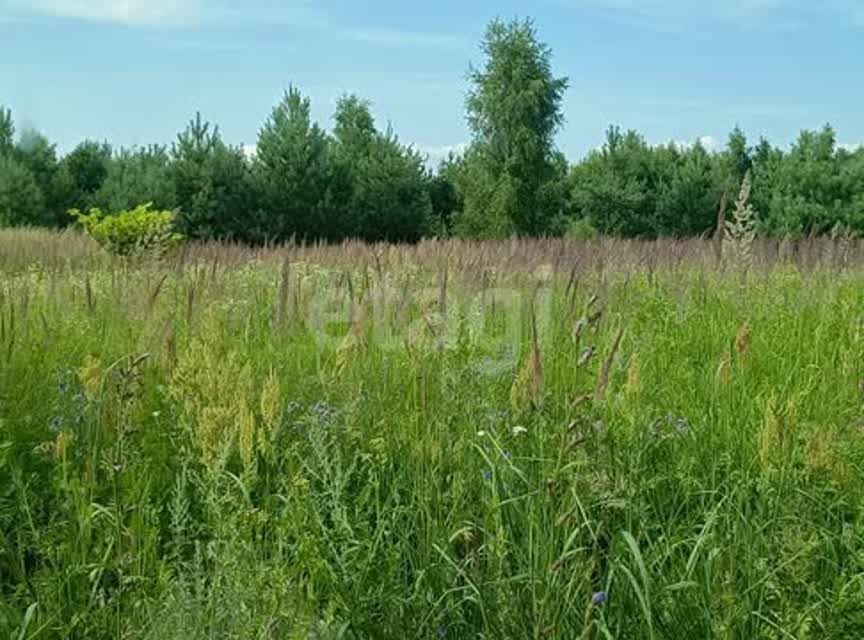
{"x":357,"y":181}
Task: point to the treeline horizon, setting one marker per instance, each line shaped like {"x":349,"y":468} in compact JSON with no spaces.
{"x":357,"y":181}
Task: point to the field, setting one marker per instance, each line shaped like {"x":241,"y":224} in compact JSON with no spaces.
{"x":517,"y":439}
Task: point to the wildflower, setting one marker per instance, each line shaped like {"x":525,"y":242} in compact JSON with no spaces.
{"x":669,"y":427}
{"x":90,"y":376}
{"x":487,"y":475}
{"x":519,"y":431}
{"x":599,"y":598}
{"x":63,"y":443}
{"x":324,"y":412}
{"x":481,"y":434}
{"x":56,"y":424}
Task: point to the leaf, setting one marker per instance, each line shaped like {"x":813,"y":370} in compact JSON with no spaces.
{"x":28,"y":618}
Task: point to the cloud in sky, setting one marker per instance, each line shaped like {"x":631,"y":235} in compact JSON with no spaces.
{"x":709,"y":143}
{"x":398,"y":37}
{"x":180,"y":13}
{"x":130,"y":12}
{"x":436,"y":154}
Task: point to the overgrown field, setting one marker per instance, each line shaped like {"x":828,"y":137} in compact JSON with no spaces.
{"x":503,"y":440}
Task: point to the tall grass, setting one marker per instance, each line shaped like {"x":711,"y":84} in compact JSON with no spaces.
{"x":454,"y":440}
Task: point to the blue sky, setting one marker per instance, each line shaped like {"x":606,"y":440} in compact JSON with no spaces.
{"x":134,"y":71}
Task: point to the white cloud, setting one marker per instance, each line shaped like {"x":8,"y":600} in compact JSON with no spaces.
{"x":851,"y":147}
{"x":435,"y":154}
{"x":399,"y":38}
{"x":130,"y":12}
{"x":709,"y":143}
{"x":174,"y":13}
{"x":250,"y":150}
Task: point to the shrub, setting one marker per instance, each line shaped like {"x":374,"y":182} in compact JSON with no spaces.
{"x":582,"y":229}
{"x":134,"y":232}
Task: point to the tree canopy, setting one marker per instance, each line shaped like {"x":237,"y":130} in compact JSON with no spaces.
{"x":359,"y":180}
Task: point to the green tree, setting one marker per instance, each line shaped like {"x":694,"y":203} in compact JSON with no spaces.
{"x":7,"y":132}
{"x":35,"y":152}
{"x":738,"y":158}
{"x":86,"y":168}
{"x":514,"y":111}
{"x":615,"y":188}
{"x":444,"y":195}
{"x":20,"y":195}
{"x":689,"y":191}
{"x":136,"y":177}
{"x":295,"y":175}
{"x":211,"y":183}
{"x":387,"y":192}
{"x":809,"y":193}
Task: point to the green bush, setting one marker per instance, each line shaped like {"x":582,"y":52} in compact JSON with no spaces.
{"x":134,"y":232}
{"x":582,"y":229}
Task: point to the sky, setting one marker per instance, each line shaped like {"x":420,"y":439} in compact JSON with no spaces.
{"x":135,"y":71}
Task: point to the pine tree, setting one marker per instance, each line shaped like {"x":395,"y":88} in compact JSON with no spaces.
{"x":295,"y":175}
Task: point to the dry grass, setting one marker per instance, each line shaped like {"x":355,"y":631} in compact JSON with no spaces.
{"x":23,"y":249}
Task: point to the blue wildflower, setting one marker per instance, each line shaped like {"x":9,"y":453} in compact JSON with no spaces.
{"x":487,"y":475}
{"x":599,"y":598}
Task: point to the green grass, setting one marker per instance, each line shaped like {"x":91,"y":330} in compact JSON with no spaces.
{"x":221,"y":447}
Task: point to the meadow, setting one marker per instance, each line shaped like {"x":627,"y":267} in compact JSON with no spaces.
{"x":543,"y":439}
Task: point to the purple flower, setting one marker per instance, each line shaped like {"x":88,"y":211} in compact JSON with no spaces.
{"x":599,"y":598}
